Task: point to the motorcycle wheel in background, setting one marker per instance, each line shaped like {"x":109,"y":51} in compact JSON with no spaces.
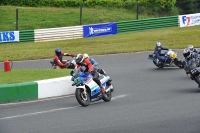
{"x":159,"y":66}
{"x":178,"y":63}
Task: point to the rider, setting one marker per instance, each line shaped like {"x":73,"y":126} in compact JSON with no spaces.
{"x":80,"y":61}
{"x":192,"y":49}
{"x":92,"y":60}
{"x":59,"y":62}
{"x":94,"y":63}
{"x":157,"y":51}
{"x":189,"y":57}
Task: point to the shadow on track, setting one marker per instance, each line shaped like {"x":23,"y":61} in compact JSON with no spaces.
{"x":165,"y":69}
{"x":188,"y":90}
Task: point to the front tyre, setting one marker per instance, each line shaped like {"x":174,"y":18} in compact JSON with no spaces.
{"x":83,"y":99}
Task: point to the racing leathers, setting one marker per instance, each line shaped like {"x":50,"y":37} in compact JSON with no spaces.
{"x":196,"y":51}
{"x":58,"y":61}
{"x":191,"y":62}
{"x":94,"y":63}
{"x":157,"y":52}
{"x":90,"y":69}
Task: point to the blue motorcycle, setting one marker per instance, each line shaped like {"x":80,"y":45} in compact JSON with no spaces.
{"x":171,"y":60}
{"x":87,"y":90}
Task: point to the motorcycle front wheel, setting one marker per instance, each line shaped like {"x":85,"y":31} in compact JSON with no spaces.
{"x":83,"y":99}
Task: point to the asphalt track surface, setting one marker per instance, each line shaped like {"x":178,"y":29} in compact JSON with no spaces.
{"x":145,"y":100}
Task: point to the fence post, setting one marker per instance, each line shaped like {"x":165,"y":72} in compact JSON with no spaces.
{"x":195,"y":6}
{"x":137,"y":10}
{"x":81,"y":11}
{"x":16,"y":23}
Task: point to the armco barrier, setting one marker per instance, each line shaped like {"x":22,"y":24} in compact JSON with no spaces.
{"x":62,"y":33}
{"x":146,"y":24}
{"x":36,"y":90}
{"x":26,"y":36}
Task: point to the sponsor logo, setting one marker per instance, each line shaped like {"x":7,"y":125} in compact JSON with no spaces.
{"x":93,"y":31}
{"x":192,"y":19}
{"x":7,"y":36}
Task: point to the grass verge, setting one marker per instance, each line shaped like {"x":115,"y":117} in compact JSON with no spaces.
{"x":51,"y":17}
{"x":173,"y":38}
{"x":26,"y":75}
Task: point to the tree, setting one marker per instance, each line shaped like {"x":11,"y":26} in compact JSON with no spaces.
{"x":186,"y":6}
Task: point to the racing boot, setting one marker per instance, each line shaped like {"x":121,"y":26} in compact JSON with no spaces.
{"x":102,"y":89}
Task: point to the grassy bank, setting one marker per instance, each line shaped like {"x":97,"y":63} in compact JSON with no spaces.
{"x":120,"y":43}
{"x":174,"y":38}
{"x":49,"y":17}
{"x":26,"y":75}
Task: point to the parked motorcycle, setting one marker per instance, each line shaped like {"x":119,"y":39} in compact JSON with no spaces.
{"x":171,"y":60}
{"x":87,"y":90}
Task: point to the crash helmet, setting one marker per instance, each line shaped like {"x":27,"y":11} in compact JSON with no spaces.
{"x":158,"y":45}
{"x":86,"y":56}
{"x":79,"y":58}
{"x":191,"y":48}
{"x":58,"y":51}
{"x":186,"y":53}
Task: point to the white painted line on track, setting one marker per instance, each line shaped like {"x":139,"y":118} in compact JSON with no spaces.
{"x":48,"y":111}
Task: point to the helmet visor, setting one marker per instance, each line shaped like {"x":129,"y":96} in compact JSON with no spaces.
{"x":191,"y":49}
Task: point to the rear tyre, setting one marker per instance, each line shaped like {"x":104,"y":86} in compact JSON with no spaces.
{"x":83,"y":99}
{"x":178,"y":63}
{"x":107,"y":95}
{"x":159,"y":66}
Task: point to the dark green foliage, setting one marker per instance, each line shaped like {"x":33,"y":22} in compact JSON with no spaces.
{"x":152,"y":6}
{"x":38,"y":3}
{"x":188,"y":6}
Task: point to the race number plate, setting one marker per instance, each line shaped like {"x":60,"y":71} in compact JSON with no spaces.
{"x":77,"y":80}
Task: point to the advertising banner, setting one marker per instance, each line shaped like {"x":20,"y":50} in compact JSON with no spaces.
{"x":99,"y":30}
{"x":9,"y":36}
{"x":189,"y":20}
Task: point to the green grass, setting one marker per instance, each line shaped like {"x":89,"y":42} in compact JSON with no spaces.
{"x":174,"y":38}
{"x":49,"y":17}
{"x":26,"y":75}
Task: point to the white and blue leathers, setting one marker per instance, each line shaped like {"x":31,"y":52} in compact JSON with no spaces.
{"x":191,"y":62}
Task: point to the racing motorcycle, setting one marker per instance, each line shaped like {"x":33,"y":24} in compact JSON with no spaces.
{"x":171,"y":60}
{"x":70,"y":64}
{"x":194,"y":71}
{"x":87,"y":90}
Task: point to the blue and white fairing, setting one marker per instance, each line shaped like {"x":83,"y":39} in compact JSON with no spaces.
{"x":83,"y":80}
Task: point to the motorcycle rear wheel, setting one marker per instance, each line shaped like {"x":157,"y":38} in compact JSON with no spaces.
{"x":107,"y":96}
{"x":82,"y":99}
{"x":178,"y":63}
{"x":159,"y":66}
